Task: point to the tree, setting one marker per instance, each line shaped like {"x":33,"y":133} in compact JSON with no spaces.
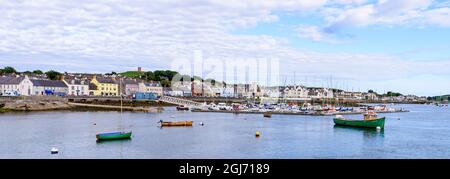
{"x":165,"y":83}
{"x":53,"y":75}
{"x":370,"y":91}
{"x":8,"y":70}
{"x":168,"y":74}
{"x":390,"y":93}
{"x":38,"y":72}
{"x":149,"y":76}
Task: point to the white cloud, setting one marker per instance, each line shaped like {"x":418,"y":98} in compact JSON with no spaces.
{"x":316,"y":34}
{"x":348,"y":2}
{"x":387,"y":12}
{"x":116,"y":35}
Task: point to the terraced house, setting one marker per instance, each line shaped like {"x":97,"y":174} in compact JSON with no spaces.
{"x":40,"y":87}
{"x":10,"y":85}
{"x":104,"y":86}
{"x":153,"y":87}
{"x":130,"y":86}
{"x":77,"y":87}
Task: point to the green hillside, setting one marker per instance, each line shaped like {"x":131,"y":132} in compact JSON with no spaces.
{"x":132,"y":74}
{"x":440,"y":98}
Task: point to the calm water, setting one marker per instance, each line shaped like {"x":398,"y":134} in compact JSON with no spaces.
{"x":422,"y":133}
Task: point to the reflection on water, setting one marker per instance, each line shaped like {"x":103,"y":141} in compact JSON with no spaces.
{"x":120,"y":141}
{"x":422,"y":133}
{"x":368,"y":132}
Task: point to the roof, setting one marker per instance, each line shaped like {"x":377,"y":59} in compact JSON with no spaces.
{"x":154,"y":84}
{"x":75,"y":81}
{"x":9,"y":80}
{"x":129,"y":81}
{"x":105,"y":80}
{"x":49,"y":83}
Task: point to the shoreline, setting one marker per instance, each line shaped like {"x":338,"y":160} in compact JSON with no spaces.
{"x":295,"y":113}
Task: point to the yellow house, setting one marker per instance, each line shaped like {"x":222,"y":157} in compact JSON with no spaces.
{"x":102,"y":86}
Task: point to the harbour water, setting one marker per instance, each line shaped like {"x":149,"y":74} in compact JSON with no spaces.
{"x":424,"y":132}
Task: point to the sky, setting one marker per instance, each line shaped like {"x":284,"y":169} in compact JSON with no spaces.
{"x":356,"y":45}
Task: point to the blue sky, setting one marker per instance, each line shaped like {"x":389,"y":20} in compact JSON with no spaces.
{"x":398,"y":45}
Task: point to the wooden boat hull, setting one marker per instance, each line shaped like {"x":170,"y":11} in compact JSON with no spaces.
{"x":182,"y":108}
{"x":267,"y":114}
{"x":175,"y":124}
{"x":361,"y":123}
{"x":114,"y":136}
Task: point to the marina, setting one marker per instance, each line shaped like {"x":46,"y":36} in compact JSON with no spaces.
{"x":284,"y":109}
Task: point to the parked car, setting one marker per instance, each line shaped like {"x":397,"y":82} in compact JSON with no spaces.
{"x":14,"y":93}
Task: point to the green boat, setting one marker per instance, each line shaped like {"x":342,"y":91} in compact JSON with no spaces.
{"x":370,"y":121}
{"x":360,"y":123}
{"x":113,"y":136}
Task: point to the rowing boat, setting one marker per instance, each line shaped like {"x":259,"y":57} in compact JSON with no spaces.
{"x":174,"y":124}
{"x":113,"y":136}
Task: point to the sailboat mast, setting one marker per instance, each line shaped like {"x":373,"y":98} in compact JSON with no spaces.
{"x":121,"y":99}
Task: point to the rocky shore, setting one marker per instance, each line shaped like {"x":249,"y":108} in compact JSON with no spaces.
{"x":48,"y":103}
{"x":33,"y":104}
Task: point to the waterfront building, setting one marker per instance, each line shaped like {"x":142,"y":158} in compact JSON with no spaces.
{"x":272,"y":92}
{"x":130,"y":87}
{"x":93,"y":89}
{"x":10,"y":85}
{"x":184,"y":87}
{"x":295,"y":92}
{"x":105,"y":86}
{"x":77,"y":87}
{"x":153,"y":87}
{"x":26,"y":86}
{"x":170,"y":92}
{"x":357,"y":95}
{"x":371,"y":96}
{"x":45,"y":87}
{"x":319,"y":93}
{"x":227,"y":92}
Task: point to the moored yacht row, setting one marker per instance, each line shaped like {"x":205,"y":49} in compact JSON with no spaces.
{"x":283,"y":108}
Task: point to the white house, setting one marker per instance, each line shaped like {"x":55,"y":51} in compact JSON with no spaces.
{"x":26,"y":87}
{"x":43,"y":87}
{"x":77,"y":87}
{"x":10,"y":85}
{"x":320,"y":92}
{"x":295,"y":92}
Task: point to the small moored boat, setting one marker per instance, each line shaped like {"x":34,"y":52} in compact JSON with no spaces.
{"x":370,"y":121}
{"x":182,"y":108}
{"x":113,"y":136}
{"x":176,"y":124}
{"x":267,"y":114}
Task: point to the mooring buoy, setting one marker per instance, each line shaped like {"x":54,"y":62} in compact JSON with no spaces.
{"x":54,"y":150}
{"x":257,"y":134}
